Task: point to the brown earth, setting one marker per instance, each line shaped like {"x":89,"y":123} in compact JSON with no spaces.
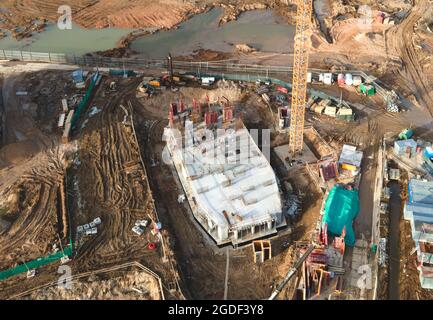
{"x":121,"y":14}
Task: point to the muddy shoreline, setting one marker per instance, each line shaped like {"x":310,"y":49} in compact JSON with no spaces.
{"x":230,"y":12}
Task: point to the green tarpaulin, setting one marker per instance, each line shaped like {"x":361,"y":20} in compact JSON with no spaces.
{"x":341,"y":208}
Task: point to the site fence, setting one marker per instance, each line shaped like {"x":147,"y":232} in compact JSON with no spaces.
{"x":220,"y":67}
{"x":37,"y":263}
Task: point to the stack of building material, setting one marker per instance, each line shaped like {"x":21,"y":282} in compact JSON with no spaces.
{"x":345,"y":113}
{"x":392,"y":107}
{"x":331,"y":111}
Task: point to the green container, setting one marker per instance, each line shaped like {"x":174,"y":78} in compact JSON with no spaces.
{"x":367,"y":89}
{"x":406,"y":134}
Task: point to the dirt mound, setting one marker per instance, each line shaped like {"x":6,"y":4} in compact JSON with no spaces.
{"x":131,"y":286}
{"x":18,"y":152}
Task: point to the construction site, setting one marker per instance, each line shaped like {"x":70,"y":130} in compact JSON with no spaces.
{"x":305,"y":174}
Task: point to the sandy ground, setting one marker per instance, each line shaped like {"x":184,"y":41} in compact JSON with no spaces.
{"x":133,"y":285}
{"x":122,"y":14}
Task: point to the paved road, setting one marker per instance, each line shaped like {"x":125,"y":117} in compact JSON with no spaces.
{"x":363,"y":222}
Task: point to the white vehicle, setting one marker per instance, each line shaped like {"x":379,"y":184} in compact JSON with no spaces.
{"x":138,"y":230}
{"x":207,"y":81}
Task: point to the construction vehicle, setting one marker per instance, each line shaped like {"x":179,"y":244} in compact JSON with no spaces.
{"x":300,"y":75}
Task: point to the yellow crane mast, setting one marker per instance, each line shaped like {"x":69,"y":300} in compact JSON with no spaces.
{"x":300,"y":73}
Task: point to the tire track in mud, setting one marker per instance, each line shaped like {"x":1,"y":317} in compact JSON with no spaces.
{"x":113,"y":185}
{"x":400,"y":39}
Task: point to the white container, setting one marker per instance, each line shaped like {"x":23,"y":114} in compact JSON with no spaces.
{"x":97,"y":221}
{"x":330,"y":111}
{"x":61,"y":122}
{"x":309,"y":77}
{"x":357,"y":80}
{"x":349,"y":79}
{"x":327,"y":78}
{"x":91,"y":231}
{"x":137,"y":230}
{"x":65,"y":105}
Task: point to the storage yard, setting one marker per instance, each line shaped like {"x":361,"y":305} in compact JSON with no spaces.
{"x":136,"y":178}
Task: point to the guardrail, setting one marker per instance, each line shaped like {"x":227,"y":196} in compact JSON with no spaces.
{"x":198,"y":67}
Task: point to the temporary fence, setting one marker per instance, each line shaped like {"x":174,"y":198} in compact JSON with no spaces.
{"x":66,"y":251}
{"x":220,"y":67}
{"x":37,"y":263}
{"x":85,"y":99}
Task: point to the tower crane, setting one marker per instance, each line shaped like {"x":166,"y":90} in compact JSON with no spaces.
{"x":300,"y":73}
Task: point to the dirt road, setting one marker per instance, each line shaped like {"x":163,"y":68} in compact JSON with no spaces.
{"x":400,"y":41}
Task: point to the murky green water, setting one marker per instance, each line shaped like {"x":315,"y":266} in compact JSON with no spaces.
{"x":77,"y":40}
{"x":260,"y":29}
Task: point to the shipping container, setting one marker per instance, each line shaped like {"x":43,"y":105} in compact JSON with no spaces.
{"x":367,"y":89}
{"x":341,"y":80}
{"x":61,"y":122}
{"x":357,"y":80}
{"x":330,"y":111}
{"x":349,"y":79}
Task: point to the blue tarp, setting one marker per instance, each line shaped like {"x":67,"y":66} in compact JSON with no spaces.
{"x":341,"y":208}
